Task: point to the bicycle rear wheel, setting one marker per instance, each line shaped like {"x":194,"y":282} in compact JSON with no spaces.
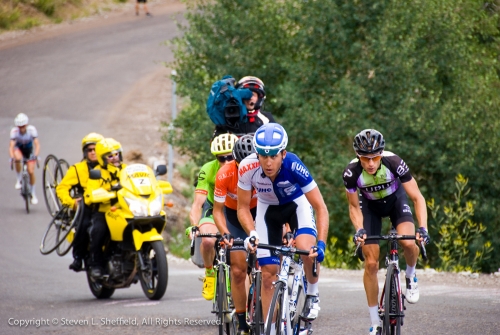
{"x":392,"y":303}
{"x":50,"y":237}
{"x":255,"y":318}
{"x":67,"y":229}
{"x":52,"y":176}
{"x":276,"y":310}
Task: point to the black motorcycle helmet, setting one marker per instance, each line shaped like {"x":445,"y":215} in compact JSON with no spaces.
{"x":368,"y":142}
{"x":243,"y":147}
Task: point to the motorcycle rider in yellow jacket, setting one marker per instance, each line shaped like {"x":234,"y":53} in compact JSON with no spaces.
{"x":76,"y":179}
{"x":109,"y":157}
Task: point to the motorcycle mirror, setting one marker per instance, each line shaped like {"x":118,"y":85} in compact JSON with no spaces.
{"x":95,"y":174}
{"x":161,"y":170}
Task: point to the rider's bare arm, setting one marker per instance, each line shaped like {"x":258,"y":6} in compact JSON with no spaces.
{"x":318,"y":204}
{"x":354,"y":210}
{"x":418,"y":199}
{"x":244,"y":214}
{"x":36,"y":144}
{"x":196,"y":208}
{"x":219,"y":218}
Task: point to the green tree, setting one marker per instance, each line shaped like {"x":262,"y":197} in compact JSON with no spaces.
{"x":424,"y":73}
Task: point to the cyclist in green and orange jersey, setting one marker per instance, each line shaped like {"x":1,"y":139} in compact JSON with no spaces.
{"x":201,"y":210}
{"x":226,"y":219}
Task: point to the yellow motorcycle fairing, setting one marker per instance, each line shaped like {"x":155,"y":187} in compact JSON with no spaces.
{"x":139,"y":214}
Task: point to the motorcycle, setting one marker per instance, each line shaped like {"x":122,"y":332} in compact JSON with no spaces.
{"x":135,"y":250}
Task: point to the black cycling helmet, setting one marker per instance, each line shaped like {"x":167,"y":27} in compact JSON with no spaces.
{"x":243,"y":147}
{"x":368,"y":142}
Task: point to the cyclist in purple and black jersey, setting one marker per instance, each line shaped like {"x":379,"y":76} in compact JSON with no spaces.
{"x":385,"y":183}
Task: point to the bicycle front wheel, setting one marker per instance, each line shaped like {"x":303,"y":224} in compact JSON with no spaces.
{"x":52,"y":176}
{"x":255,"y":318}
{"x":67,"y":229}
{"x":393,"y":305}
{"x":224,"y":314}
{"x":276,"y":318}
{"x":25,"y":191}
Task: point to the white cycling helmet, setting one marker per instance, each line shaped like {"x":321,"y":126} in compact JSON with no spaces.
{"x":21,"y":120}
{"x":270,"y":139}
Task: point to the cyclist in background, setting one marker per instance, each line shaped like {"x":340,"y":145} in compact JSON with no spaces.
{"x":379,"y":175}
{"x":24,"y":144}
{"x":287,"y":193}
{"x":201,"y":210}
{"x":109,"y":157}
{"x":77,"y":177}
{"x":226,"y":201}
{"x":256,"y":116}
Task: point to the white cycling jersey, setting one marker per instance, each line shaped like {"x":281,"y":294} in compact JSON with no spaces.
{"x":24,"y":141}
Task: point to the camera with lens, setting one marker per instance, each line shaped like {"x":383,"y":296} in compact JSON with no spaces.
{"x":232,"y":113}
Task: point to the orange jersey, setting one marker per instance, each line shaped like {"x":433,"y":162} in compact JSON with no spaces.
{"x":226,"y":187}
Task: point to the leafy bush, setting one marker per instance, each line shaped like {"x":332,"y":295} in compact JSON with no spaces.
{"x":48,"y":7}
{"x":7,"y":18}
{"x":460,"y":244}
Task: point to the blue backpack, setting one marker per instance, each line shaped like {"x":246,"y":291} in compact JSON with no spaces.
{"x":225,"y":105}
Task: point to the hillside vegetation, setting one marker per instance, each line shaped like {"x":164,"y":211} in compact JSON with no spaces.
{"x":26,"y":14}
{"x":425,"y":73}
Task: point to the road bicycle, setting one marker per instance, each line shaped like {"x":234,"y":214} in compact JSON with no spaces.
{"x":288,"y":298}
{"x":222,"y":302}
{"x":25,"y":182}
{"x":392,"y":301}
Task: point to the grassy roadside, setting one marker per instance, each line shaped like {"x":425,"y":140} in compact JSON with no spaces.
{"x":26,"y":14}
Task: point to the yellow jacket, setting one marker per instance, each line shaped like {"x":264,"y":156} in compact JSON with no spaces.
{"x":107,"y":179}
{"x":77,"y":176}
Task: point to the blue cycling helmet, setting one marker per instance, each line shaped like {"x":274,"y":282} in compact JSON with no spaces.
{"x":270,"y":139}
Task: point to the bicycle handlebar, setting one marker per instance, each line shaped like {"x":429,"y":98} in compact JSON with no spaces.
{"x":391,"y":237}
{"x":288,"y":251}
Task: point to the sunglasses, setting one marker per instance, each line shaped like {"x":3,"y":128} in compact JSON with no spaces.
{"x":90,"y":149}
{"x":366,"y":159}
{"x":113,"y":155}
{"x":226,"y":158}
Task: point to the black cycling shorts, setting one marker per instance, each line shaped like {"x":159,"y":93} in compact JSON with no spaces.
{"x":395,"y":206}
{"x":234,"y":226}
{"x":143,"y":1}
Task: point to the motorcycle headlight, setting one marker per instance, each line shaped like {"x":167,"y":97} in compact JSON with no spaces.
{"x":155,"y":206}
{"x":137,"y":207}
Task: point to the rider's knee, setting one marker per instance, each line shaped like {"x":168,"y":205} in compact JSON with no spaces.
{"x":207,"y":243}
{"x":371,"y":266}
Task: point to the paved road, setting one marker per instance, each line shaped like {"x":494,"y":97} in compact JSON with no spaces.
{"x":67,"y":84}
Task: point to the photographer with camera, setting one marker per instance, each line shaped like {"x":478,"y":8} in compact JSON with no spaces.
{"x":255,"y":116}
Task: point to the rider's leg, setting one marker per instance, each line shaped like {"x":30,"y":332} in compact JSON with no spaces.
{"x":31,"y":172}
{"x":370,"y":280}
{"x":238,"y":281}
{"x":207,"y":246}
{"x":305,"y":242}
{"x":410,"y":248}
{"x":18,"y":159}
{"x":269,"y":273}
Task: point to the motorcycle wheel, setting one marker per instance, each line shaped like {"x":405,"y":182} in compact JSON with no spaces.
{"x":98,"y":290}
{"x":155,"y":278}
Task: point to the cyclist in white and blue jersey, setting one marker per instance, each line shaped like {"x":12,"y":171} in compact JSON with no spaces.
{"x":24,"y":144}
{"x":286,"y":193}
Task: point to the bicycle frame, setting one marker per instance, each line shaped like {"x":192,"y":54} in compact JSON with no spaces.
{"x":290,"y":300}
